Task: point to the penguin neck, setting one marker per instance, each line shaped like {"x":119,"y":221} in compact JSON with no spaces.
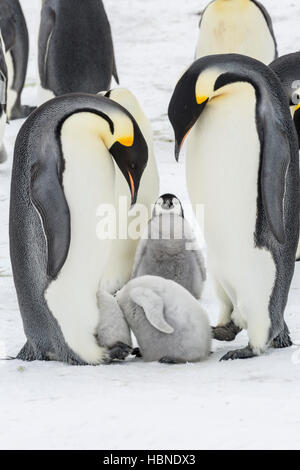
{"x":89,"y":166}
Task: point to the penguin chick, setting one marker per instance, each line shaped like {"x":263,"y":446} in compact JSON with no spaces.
{"x":169,"y":248}
{"x":113,"y":331}
{"x":169,"y":323}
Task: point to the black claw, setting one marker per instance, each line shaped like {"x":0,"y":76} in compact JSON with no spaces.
{"x":283,"y":340}
{"x":168,"y":360}
{"x":226,"y":333}
{"x":119,"y":351}
{"x":136,"y":352}
{"x":245,"y":353}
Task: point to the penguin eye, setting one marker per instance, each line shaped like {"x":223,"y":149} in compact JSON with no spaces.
{"x":160,"y":201}
{"x":175,"y":202}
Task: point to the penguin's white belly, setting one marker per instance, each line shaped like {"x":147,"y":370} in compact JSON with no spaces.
{"x":11,"y":94}
{"x":44,"y":95}
{"x":88,"y":181}
{"x":222,"y":173}
{"x":227,"y":29}
{"x":131,"y":224}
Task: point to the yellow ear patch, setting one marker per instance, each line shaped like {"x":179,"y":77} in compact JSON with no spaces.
{"x":297,"y":107}
{"x":201,"y":99}
{"x":126,"y":141}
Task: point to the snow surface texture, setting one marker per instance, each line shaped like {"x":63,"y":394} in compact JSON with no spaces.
{"x":211,"y":405}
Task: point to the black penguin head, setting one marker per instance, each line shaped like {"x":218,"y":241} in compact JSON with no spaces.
{"x":130,"y":152}
{"x":168,"y":203}
{"x":207,"y":79}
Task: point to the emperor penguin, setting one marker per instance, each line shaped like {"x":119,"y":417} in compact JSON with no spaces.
{"x":63,"y":172}
{"x":237,"y":26}
{"x":16,"y":45}
{"x":169,"y":248}
{"x":242,"y":167}
{"x":120,"y":265}
{"x":170,"y":325}
{"x":3,"y":101}
{"x":287,"y":68}
{"x":75,"y":48}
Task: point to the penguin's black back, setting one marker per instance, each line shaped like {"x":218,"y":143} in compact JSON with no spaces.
{"x":77,"y":53}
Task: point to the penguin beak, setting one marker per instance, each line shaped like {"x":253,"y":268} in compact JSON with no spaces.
{"x":184,"y":110}
{"x":132,"y":189}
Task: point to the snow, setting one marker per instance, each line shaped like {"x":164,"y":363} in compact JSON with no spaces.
{"x":250,"y":404}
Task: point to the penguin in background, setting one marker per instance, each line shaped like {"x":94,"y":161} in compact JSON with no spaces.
{"x":170,"y":249}
{"x":245,"y":171}
{"x":3,"y":106}
{"x":75,"y":48}
{"x":120,"y":265}
{"x":237,"y":26}
{"x":63,"y":171}
{"x":287,"y":68}
{"x":16,"y":45}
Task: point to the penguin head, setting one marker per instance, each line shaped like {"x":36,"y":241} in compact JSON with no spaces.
{"x":168,"y":203}
{"x":207,"y":80}
{"x":128,"y":147}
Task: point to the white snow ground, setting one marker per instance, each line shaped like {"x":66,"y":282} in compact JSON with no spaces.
{"x":252,"y":404}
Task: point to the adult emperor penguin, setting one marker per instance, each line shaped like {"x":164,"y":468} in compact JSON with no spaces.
{"x":242,"y":165}
{"x":76,"y":51}
{"x":287,"y":68}
{"x":63,"y":172}
{"x":119,"y":268}
{"x":16,"y":43}
{"x":237,"y":26}
{"x":3,"y":100}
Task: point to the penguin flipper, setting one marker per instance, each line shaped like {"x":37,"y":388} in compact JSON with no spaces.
{"x":153,"y":307}
{"x":48,"y":18}
{"x":49,"y":200}
{"x":276,"y":157}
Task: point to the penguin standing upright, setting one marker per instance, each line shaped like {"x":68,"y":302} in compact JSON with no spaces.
{"x":287,"y":68}
{"x":76,"y":51}
{"x":242,"y":166}
{"x":119,"y":268}
{"x":16,"y":43}
{"x":63,"y":171}
{"x":237,"y":26}
{"x":3,"y":100}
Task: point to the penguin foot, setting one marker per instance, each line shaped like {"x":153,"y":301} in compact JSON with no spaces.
{"x":168,"y":360}
{"x":283,"y":340}
{"x":136,"y":352}
{"x":245,"y":353}
{"x":119,"y":351}
{"x":21,"y":112}
{"x":226,"y":333}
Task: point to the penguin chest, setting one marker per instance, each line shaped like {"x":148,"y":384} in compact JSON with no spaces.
{"x":88,"y":182}
{"x":223,"y":162}
{"x":230,"y":28}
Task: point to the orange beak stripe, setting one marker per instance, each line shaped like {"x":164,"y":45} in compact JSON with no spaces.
{"x":131,"y":184}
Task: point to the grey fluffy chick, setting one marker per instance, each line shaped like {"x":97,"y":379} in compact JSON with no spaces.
{"x":168,"y":322}
{"x":169,"y":248}
{"x":113,"y":331}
